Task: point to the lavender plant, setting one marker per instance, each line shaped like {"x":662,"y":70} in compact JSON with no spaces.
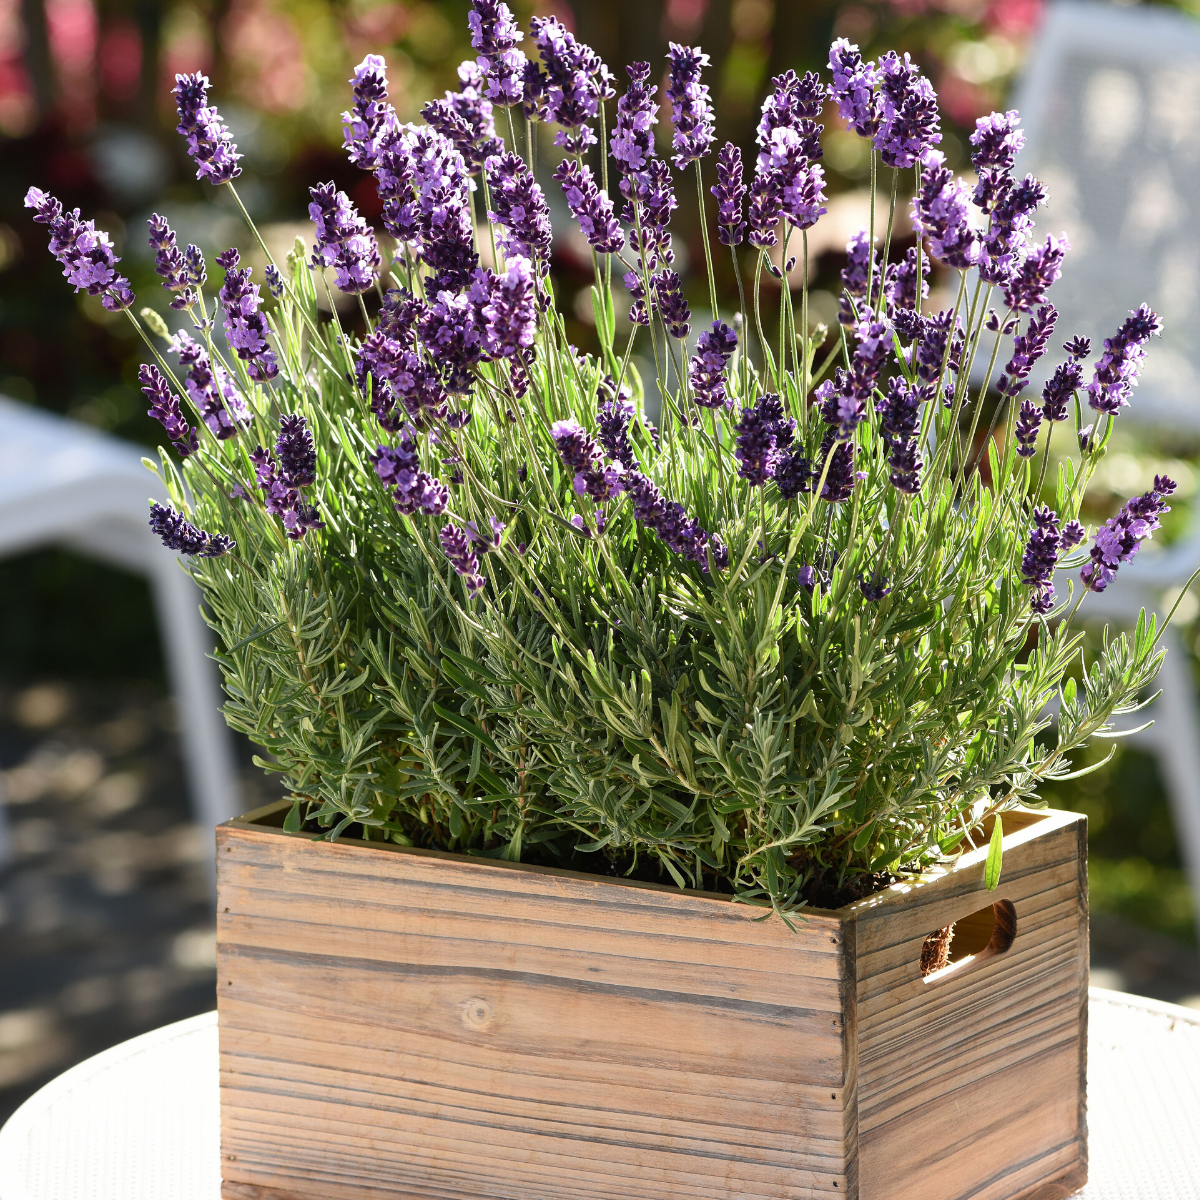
{"x":802,"y":638}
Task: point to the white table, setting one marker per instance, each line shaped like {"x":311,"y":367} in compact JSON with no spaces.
{"x":141,"y":1121}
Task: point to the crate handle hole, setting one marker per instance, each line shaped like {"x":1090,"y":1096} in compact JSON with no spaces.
{"x":969,"y":942}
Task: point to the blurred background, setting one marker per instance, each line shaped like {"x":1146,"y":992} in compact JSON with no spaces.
{"x":105,"y":928}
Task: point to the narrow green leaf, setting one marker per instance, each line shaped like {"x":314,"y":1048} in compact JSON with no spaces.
{"x":293,"y":822}
{"x":468,"y":727}
{"x":995,"y":856}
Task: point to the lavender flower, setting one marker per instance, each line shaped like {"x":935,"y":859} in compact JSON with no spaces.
{"x":854,"y":279}
{"x":1029,"y":421}
{"x":413,"y":490}
{"x":1078,"y":347}
{"x":900,"y":287}
{"x":457,"y":547}
{"x":854,"y":88}
{"x":762,"y":217}
{"x":899,"y":411}
{"x":632,"y":142}
{"x":873,"y":588}
{"x":613,"y":418}
{"x":582,"y":454}
{"x":669,"y":522}
{"x":706,"y":372}
{"x":297,"y":455}
{"x":691,"y":108}
{"x":1073,"y":534}
{"x":169,"y":263}
{"x":85,"y":252}
{"x":591,"y":207}
{"x":244,"y":324}
{"x":793,"y":474}
{"x":844,"y":398}
{"x":275,"y":283}
{"x":672,"y":303}
{"x":164,"y":407}
{"x":366,"y":126}
{"x":210,"y":389}
{"x":519,"y":205}
{"x":344,"y":242}
{"x":1011,"y":206}
{"x":1028,"y":348}
{"x":840,"y":476}
{"x":281,"y":493}
{"x":573,"y":84}
{"x":465,"y":117}
{"x":196,"y":269}
{"x":763,"y":435}
{"x":1042,"y":266}
{"x":210,"y":144}
{"x":996,"y":142}
{"x":1121,"y":537}
{"x":939,"y":213}
{"x":495,"y":35}
{"x":1117,"y":368}
{"x":650,"y":200}
{"x":932,"y":357}
{"x":510,"y":313}
{"x":909,"y":126}
{"x":729,"y":191}
{"x":452,"y":328}
{"x":441,"y":216}
{"x":178,"y":533}
{"x":789,"y":145}
{"x":1056,"y":395}
{"x":1040,"y":558}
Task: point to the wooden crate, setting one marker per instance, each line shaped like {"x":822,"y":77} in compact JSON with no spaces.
{"x":404,"y":1023}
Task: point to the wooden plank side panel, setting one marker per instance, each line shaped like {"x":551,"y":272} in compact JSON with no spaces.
{"x":972,"y":1086}
{"x":439,"y":1027}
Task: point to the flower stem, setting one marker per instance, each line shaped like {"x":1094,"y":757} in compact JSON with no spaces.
{"x":712,"y":281}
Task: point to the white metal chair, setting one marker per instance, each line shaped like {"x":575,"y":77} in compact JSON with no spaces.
{"x":1110,"y":104}
{"x":63,"y":483}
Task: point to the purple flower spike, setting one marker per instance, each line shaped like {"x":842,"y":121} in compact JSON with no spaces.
{"x":281,"y":496}
{"x":212,"y":392}
{"x":672,"y":304}
{"x":940,"y":214}
{"x":706,"y":372}
{"x":1037,"y":274}
{"x":730,"y":192}
{"x":669,"y":522}
{"x":909,"y":127}
{"x":245,"y":326}
{"x":854,"y":88}
{"x":1121,"y":537}
{"x":582,"y":454}
{"x":178,"y":533}
{"x":367,"y":125}
{"x":413,"y":490}
{"x":762,"y":217}
{"x":519,"y":206}
{"x":691,"y":107}
{"x":274,"y":280}
{"x":495,"y":35}
{"x":572,"y":85}
{"x":899,"y":413}
{"x":1117,"y":368}
{"x":1056,"y":395}
{"x":1028,"y":349}
{"x":458,"y":548}
{"x":164,"y":407}
{"x":1040,"y":558}
{"x":1029,"y":421}
{"x":344,"y":241}
{"x":763,"y":437}
{"x":465,"y":117}
{"x":614,"y":417}
{"x":996,"y":142}
{"x":169,"y":263}
{"x":85,"y":252}
{"x":196,"y":269}
{"x":591,"y":207}
{"x":210,"y":143}
{"x":786,"y":171}
{"x":873,"y":588}
{"x":1078,"y":347}
{"x":841,"y":476}
{"x":510,"y":311}
{"x":297,"y":455}
{"x":632,"y":142}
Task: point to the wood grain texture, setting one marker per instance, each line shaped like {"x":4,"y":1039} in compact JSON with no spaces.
{"x":400,"y":1023}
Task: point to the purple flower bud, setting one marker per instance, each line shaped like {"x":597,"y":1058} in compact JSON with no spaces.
{"x":1029,"y":421}
{"x":164,"y":407}
{"x":841,"y":475}
{"x":669,"y":522}
{"x":413,"y":490}
{"x":169,"y":263}
{"x":245,"y":326}
{"x":177,"y":533}
{"x":495,"y":35}
{"x":344,"y":241}
{"x":874,"y":588}
{"x":572,"y":85}
{"x":1117,"y":368}
{"x":197,"y":271}
{"x":210,"y":389}
{"x":1078,"y":347}
{"x":1028,"y":349}
{"x":465,"y":117}
{"x":996,"y":142}
{"x":372,"y":119}
{"x":1056,"y":395}
{"x":591,"y":207}
{"x":1121,"y":536}
{"x":519,"y":206}
{"x":297,"y":455}
{"x":854,"y":88}
{"x":939,"y":213}
{"x":1036,"y":275}
{"x":209,"y":142}
{"x":613,"y":418}
{"x":457,"y":547}
{"x":706,"y":372}
{"x":86,"y":253}
{"x":1073,"y":534}
{"x":1040,"y":558}
{"x":691,"y":107}
{"x":672,"y":303}
{"x":510,"y":311}
{"x":764,"y":434}
{"x":909,"y":126}
{"x":632,"y":142}
{"x":729,"y":191}
{"x":899,"y":413}
{"x":581,"y":453}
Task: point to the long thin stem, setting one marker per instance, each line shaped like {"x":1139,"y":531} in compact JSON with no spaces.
{"x":712,"y":280}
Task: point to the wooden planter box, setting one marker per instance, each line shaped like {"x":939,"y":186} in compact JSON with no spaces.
{"x":401,"y":1023}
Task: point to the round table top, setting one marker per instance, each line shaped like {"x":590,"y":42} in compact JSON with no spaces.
{"x":142,"y":1121}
